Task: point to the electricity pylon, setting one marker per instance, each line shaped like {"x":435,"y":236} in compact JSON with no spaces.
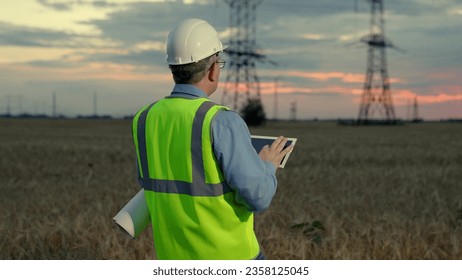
{"x":376,"y":94}
{"x":242,"y":83}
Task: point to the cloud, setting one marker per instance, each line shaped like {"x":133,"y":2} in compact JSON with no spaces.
{"x":145,"y":21}
{"x":440,"y":98}
{"x":68,"y":5}
{"x":60,"y":6}
{"x":16,"y":35}
{"x":404,"y":97}
{"x":104,"y":4}
{"x":326,"y":76}
{"x":139,"y":59}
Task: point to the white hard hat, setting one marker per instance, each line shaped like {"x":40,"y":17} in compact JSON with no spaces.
{"x":192,"y":40}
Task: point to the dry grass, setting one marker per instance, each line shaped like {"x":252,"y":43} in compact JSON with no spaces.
{"x":354,"y":192}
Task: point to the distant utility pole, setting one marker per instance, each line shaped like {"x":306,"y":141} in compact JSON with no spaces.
{"x":95,"y":104}
{"x":53,"y":114}
{"x":408,"y":110}
{"x":416,"y":111}
{"x":8,"y":105}
{"x":276,"y":98}
{"x":376,"y":93}
{"x":20,"y":97}
{"x":242,"y":82}
{"x":293,"y":111}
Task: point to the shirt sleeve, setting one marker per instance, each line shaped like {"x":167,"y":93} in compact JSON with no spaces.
{"x":252,"y":179}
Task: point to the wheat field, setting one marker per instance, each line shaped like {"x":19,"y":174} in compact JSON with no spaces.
{"x":377,"y":192}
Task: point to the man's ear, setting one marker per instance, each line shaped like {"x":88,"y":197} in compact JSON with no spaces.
{"x":213,"y":73}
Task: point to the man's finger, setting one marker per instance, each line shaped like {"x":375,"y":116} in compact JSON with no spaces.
{"x":279,"y":143}
{"x":288,"y":149}
{"x":282,"y":144}
{"x":276,"y":142}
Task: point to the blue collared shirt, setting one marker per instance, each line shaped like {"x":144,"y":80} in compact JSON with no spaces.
{"x":252,"y":179}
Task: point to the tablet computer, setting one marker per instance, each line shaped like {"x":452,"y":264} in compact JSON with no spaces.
{"x":259,"y":141}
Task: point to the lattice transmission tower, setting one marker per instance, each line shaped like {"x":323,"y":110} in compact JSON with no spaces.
{"x":242,"y":82}
{"x":376,"y":96}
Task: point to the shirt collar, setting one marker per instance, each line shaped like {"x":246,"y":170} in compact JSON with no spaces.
{"x":189,"y":90}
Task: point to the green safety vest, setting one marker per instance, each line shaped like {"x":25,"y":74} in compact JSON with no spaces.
{"x":193,"y":211}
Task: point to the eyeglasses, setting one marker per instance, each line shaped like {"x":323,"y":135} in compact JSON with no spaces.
{"x":221,"y":63}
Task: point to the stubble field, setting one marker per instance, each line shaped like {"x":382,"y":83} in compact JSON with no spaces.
{"x":346,"y":193}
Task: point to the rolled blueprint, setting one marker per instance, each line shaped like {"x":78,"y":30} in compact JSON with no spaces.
{"x":134,"y":216}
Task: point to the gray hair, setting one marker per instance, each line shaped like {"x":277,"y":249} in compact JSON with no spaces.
{"x":191,"y":73}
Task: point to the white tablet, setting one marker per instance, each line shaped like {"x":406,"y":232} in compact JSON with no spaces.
{"x":259,"y":141}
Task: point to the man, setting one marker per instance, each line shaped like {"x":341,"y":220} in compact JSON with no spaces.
{"x":201,"y":176}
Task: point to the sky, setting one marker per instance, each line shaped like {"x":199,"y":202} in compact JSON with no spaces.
{"x":115,"y":50}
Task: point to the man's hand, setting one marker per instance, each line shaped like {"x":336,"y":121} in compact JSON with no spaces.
{"x":276,"y":152}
